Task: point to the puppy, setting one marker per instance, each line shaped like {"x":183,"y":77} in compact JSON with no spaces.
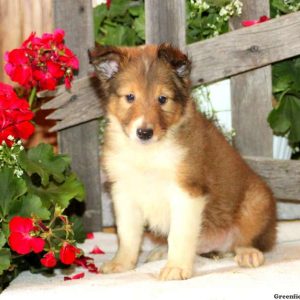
{"x":172,"y":170}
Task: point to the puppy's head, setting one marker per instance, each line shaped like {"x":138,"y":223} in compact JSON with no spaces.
{"x":147,"y":87}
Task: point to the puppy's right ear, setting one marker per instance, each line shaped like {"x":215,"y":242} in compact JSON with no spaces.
{"x":106,"y":60}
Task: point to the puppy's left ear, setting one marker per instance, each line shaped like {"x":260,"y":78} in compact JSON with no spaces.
{"x":178,"y":60}
{"x":106,"y":60}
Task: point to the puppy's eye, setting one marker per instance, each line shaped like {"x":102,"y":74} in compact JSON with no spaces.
{"x":130,"y":98}
{"x":162,"y":100}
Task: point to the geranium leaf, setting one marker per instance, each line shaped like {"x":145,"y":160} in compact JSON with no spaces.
{"x":5,"y":258}
{"x":60,"y":194}
{"x":11,"y":188}
{"x":2,"y":239}
{"x":78,"y":229}
{"x":28,"y":206}
{"x":42,"y":161}
{"x":285,"y":118}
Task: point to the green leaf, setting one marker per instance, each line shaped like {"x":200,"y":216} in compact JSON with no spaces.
{"x":139,"y":26}
{"x":136,"y":10}
{"x":2,"y":239}
{"x":11,"y":188}
{"x":118,"y":8}
{"x":28,"y":206}
{"x":78,"y":229}
{"x":99,"y":12}
{"x":60,"y":194}
{"x":45,"y":163}
{"x":285,"y":118}
{"x":5,"y":258}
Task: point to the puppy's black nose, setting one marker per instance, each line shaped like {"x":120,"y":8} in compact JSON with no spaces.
{"x":144,"y":133}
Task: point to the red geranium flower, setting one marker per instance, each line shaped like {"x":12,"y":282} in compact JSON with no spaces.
{"x":247,"y":23}
{"x":49,"y":260}
{"x":15,"y":115}
{"x":21,"y":238}
{"x":42,"y":62}
{"x":68,"y":253}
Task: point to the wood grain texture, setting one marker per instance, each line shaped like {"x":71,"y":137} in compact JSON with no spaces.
{"x":18,"y":18}
{"x":165,"y":22}
{"x":245,"y":49}
{"x":283,"y":176}
{"x":77,"y":106}
{"x":81,"y":142}
{"x":251,"y":97}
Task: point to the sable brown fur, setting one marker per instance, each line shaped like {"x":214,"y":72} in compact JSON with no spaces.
{"x":219,"y":202}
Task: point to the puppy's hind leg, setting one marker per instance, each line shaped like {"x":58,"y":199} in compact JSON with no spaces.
{"x":158,"y":253}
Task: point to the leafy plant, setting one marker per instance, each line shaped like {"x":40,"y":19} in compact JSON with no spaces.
{"x":122,"y":24}
{"x":284,"y":119}
{"x":40,"y":192}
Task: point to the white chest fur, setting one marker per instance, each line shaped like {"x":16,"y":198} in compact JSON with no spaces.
{"x":144,"y":177}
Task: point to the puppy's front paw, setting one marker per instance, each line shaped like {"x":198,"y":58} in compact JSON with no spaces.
{"x":114,"y":266}
{"x":175,"y":273}
{"x":249,"y":257}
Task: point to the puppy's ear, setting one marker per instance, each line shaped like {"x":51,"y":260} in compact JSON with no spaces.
{"x":106,"y":60}
{"x":178,"y":60}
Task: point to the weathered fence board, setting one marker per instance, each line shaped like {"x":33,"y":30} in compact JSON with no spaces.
{"x":245,"y":49}
{"x":81,"y":142}
{"x":250,"y":91}
{"x":283,"y":176}
{"x":165,"y":22}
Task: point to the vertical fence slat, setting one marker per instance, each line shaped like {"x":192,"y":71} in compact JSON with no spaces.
{"x":251,"y":95}
{"x":165,"y":22}
{"x":81,"y":142}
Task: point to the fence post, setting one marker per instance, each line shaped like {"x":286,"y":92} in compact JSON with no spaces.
{"x":165,"y":22}
{"x":81,"y":141}
{"x":251,"y":96}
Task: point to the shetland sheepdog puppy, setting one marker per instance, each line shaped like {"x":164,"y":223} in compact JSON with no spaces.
{"x":172,"y":170}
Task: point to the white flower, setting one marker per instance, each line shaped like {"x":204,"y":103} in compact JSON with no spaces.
{"x":18,"y":172}
{"x":223,"y":12}
{"x":10,"y":138}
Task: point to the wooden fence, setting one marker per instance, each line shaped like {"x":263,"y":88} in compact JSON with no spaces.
{"x":244,"y":55}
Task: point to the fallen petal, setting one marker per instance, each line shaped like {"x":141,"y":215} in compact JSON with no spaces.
{"x":97,"y":250}
{"x":90,"y":236}
{"x":76,"y":276}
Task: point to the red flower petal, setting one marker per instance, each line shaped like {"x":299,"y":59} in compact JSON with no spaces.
{"x":90,"y":235}
{"x":247,"y":23}
{"x":96,"y":250}
{"x":87,"y":263}
{"x":19,"y":242}
{"x":263,"y":19}
{"x":58,"y":35}
{"x":20,"y":224}
{"x":55,"y":69}
{"x":37,"y":244}
{"x":76,"y":276}
{"x":68,"y":253}
{"x":49,"y":260}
